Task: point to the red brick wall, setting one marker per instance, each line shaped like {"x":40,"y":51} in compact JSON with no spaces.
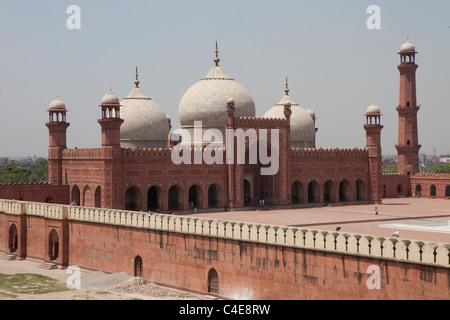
{"x":35,"y":193}
{"x":391,"y":183}
{"x":249,"y":270}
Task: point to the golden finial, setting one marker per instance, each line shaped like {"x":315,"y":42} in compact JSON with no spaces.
{"x":217,"y":60}
{"x":137,"y":82}
{"x":287,"y":87}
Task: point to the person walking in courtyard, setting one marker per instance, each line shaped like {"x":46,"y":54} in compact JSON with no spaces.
{"x":376,"y":210}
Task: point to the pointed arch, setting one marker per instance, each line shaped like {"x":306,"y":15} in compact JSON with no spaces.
{"x":313,"y":192}
{"x":360,"y":190}
{"x":433,"y":191}
{"x":138,"y":267}
{"x":133,"y":199}
{"x":214,"y":196}
{"x":53,"y":245}
{"x":13,"y":238}
{"x":98,"y":197}
{"x":87,"y":197}
{"x":175,"y":198}
{"x":328,"y":192}
{"x":154,"y":198}
{"x":195,"y":197}
{"x":297,"y":193}
{"x":213,"y":281}
{"x":344,"y":191}
{"x":76,"y":195}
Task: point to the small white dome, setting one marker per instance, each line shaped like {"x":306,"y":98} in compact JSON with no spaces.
{"x":408,"y":46}
{"x":373,"y":108}
{"x":145,"y":125}
{"x":57,"y":103}
{"x":110,"y":98}
{"x":303,"y":129}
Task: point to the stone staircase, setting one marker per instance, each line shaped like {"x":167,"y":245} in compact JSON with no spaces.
{"x":48,"y":266}
{"x":7,"y":257}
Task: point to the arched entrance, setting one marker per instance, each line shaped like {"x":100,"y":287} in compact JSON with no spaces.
{"x":418,"y":190}
{"x":447,"y":191}
{"x":53,"y":245}
{"x":195,"y":197}
{"x":328,"y":192}
{"x":360,"y":190}
{"x":76,"y":195}
{"x":138,"y":267}
{"x":98,"y":197}
{"x":13,"y":239}
{"x":297,"y":193}
{"x":313,"y":192}
{"x":133,"y":199}
{"x":213,"y":282}
{"x":154,"y":201}
{"x":247,"y":193}
{"x":214,"y":196}
{"x":433,"y":191}
{"x":344,"y":191}
{"x":175,"y":198}
{"x":399,"y":190}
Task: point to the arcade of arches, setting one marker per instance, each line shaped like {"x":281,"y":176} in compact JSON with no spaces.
{"x":328,"y":192}
{"x":175,"y":198}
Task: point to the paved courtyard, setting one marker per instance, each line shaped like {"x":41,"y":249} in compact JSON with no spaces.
{"x":427,"y":220}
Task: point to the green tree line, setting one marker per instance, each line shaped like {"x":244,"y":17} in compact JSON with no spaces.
{"x":38,"y":172}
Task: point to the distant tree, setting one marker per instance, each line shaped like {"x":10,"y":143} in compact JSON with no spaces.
{"x":390,"y":168}
{"x":40,"y":170}
{"x":13,"y":174}
{"x":439,"y":168}
{"x":37,"y":173}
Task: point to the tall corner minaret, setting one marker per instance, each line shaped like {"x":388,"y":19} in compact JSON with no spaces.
{"x":373,"y":129}
{"x":57,"y":127}
{"x":408,"y":138}
{"x":110,"y":121}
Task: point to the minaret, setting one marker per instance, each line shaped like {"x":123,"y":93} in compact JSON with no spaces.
{"x":408,"y":142}
{"x":57,"y":127}
{"x":373,"y":129}
{"x":110,"y":121}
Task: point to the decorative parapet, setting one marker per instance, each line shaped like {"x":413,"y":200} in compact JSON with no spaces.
{"x":25,"y":184}
{"x":436,"y":254}
{"x":82,"y":153}
{"x":432,"y":175}
{"x":308,"y":152}
{"x":253,"y":121}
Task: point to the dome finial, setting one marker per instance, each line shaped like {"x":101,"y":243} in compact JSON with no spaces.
{"x":217,"y":60}
{"x":137,"y":82}
{"x":287,"y":87}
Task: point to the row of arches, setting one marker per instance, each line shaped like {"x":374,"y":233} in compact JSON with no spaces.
{"x":53,"y":242}
{"x":175,"y":198}
{"x":329,"y":191}
{"x":85,"y":199}
{"x":213,"y":276}
{"x":432,"y":191}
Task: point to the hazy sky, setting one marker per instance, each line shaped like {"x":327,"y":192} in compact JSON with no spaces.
{"x":334,"y":62}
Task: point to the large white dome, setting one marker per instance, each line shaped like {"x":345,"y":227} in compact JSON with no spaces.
{"x":303,"y":128}
{"x":206,"y":101}
{"x":145,"y":125}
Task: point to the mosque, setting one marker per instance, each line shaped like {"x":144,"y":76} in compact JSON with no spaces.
{"x":133,"y":168}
